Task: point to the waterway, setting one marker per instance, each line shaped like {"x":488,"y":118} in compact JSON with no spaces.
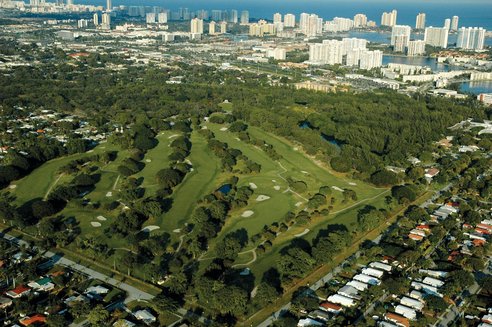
{"x":476,"y":87}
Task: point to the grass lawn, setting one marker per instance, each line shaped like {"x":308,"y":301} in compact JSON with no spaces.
{"x":155,"y":160}
{"x":197,"y":183}
{"x":41,"y":180}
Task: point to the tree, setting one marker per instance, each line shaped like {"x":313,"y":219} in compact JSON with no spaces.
{"x":56,"y":320}
{"x":169,"y":177}
{"x":98,"y":316}
{"x":228,"y":248}
{"x":42,"y":209}
{"x":295,"y":262}
{"x":384,"y":178}
{"x":84,"y":180}
{"x":265,"y":294}
{"x":436,"y":303}
{"x":340,"y":164}
{"x":404,"y":192}
{"x":369,"y":218}
{"x":230,"y":300}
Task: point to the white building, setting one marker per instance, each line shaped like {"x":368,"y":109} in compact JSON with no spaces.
{"x":360,"y":20}
{"x":406,"y":312}
{"x":311,"y":25}
{"x":389,"y":18}
{"x":244,"y":17}
{"x":277,"y":53}
{"x":339,"y":24}
{"x":95,"y":19}
{"x":330,"y":52}
{"x":277,"y":18}
{"x":416,"y":48}
{"x":455,"y":23}
{"x":223,"y":27}
{"x":436,"y":36}
{"x":162,"y":18}
{"x":150,"y":18}
{"x":196,"y":26}
{"x":261,"y":28}
{"x":342,"y":300}
{"x":400,"y":36}
{"x":106,"y":21}
{"x":471,"y":38}
{"x":412,"y":303}
{"x":447,"y":24}
{"x":212,"y":28}
{"x":420,"y":21}
{"x":485,"y":98}
{"x":289,"y":20}
{"x":371,"y":59}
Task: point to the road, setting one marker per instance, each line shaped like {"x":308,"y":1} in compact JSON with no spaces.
{"x":269,"y":321}
{"x":454,"y":311}
{"x":132,"y":292}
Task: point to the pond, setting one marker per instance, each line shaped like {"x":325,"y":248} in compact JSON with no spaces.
{"x":225,"y":189}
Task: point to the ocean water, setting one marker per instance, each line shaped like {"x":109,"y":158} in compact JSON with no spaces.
{"x":471,"y":12}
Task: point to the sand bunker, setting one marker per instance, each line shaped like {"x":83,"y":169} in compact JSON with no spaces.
{"x":298,"y":204}
{"x":303,"y":233}
{"x":109,"y":194}
{"x":95,"y":224}
{"x":253,"y":186}
{"x":173,"y":136}
{"x":304,"y":172}
{"x":277,"y":188}
{"x":204,"y":127}
{"x":148,"y":160}
{"x":223,"y":129}
{"x":148,"y":229}
{"x":353,"y":184}
{"x":336,"y":188}
{"x":247,"y":213}
{"x":101,"y":218}
{"x":178,"y":230}
{"x":274,"y":181}
{"x":295,"y":149}
{"x":12,"y":187}
{"x":261,"y":198}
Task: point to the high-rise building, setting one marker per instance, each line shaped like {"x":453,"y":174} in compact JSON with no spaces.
{"x":108,"y":5}
{"x":106,"y":21}
{"x":211,"y":28}
{"x":311,"y":25}
{"x":277,"y":18}
{"x":277,"y":54}
{"x":216,"y":15}
{"x":261,"y":28}
{"x":389,"y":18}
{"x":371,"y":59}
{"x":360,"y":20}
{"x":289,"y":20}
{"x":162,"y":18}
{"x":82,"y":23}
{"x":436,"y":36}
{"x":420,"y":21}
{"x":233,"y":18}
{"x":471,"y":38}
{"x":196,"y":26}
{"x":400,"y":36}
{"x":330,"y":52}
{"x":455,"y":23}
{"x":447,"y":24}
{"x":95,"y":19}
{"x":69,"y":2}
{"x":150,"y":18}
{"x":339,"y":25}
{"x":416,"y":48}
{"x":223,"y":27}
{"x":244,"y":17}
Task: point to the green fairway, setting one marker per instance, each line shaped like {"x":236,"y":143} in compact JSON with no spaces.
{"x":197,"y":183}
{"x":43,"y":179}
{"x":155,"y":160}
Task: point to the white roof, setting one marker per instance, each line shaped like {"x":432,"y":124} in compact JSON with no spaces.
{"x":358,"y":285}
{"x":144,"y":315}
{"x":416,"y":295}
{"x":97,"y":289}
{"x":428,"y":289}
{"x":386,"y":324}
{"x":373,"y":272}
{"x":348,"y":290}
{"x":367,"y":279}
{"x":412,"y":303}
{"x":433,"y":282}
{"x":342,"y":300}
{"x":433,"y":273}
{"x":308,"y":322}
{"x":380,"y":265}
{"x":406,"y":312}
